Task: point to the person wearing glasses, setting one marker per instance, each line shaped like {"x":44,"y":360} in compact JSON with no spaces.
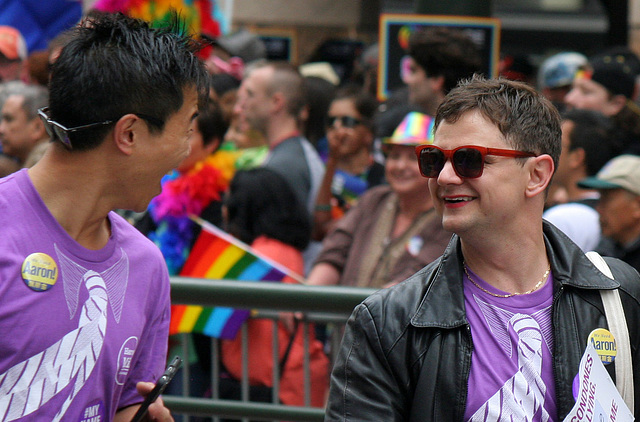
{"x":495,"y":329}
{"x":85,"y":300}
{"x":391,"y":232}
{"x":350,"y":168}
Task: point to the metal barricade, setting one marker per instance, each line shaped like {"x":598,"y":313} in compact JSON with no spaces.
{"x":330,"y":305}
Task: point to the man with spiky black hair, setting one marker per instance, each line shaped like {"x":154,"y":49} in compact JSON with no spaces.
{"x":85,"y":304}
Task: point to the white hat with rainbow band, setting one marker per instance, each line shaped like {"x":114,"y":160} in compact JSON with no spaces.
{"x":415,"y":129}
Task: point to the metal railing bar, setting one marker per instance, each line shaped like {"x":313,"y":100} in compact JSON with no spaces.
{"x":329,"y":305}
{"x":186,"y":366}
{"x":244,"y":384}
{"x":215,"y":371}
{"x":315,"y":317}
{"x":230,"y":408}
{"x":275,"y":356}
{"x":306,"y":365}
{"x":276,"y":296}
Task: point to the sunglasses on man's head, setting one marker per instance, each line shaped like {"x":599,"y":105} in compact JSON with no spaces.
{"x":345,"y":121}
{"x":467,"y":160}
{"x":57,"y":131}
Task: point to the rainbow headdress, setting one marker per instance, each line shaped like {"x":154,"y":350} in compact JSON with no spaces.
{"x":197,"y":14}
{"x":219,"y":256}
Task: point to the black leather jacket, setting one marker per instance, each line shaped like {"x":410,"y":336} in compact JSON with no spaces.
{"x":420,"y":327}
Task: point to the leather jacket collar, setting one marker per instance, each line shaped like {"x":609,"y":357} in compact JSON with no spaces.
{"x":443,"y":302}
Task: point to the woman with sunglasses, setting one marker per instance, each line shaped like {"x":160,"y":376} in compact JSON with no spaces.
{"x":393,"y":231}
{"x":350,"y":168}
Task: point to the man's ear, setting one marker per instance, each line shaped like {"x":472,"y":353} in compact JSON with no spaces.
{"x":437,"y":82}
{"x":38,"y":129}
{"x":303,"y":116}
{"x":541,"y":170}
{"x":278,"y":101}
{"x":126,"y":133}
{"x":635,"y":208}
{"x":370,"y":138}
{"x":577,"y":158}
{"x":615,"y":104}
{"x":212,"y":146}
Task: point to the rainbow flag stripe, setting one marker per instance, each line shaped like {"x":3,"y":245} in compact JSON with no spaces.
{"x":217,"y":255}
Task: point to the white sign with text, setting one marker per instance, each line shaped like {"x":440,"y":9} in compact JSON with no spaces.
{"x":598,"y":398}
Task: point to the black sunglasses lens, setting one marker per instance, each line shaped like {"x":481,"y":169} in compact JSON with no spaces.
{"x":62,"y":135}
{"x":45,"y":122}
{"x":59,"y":133}
{"x":468,"y":162}
{"x":345,"y":121}
{"x":350,"y":122}
{"x":431,"y":162}
{"x":47,"y":127}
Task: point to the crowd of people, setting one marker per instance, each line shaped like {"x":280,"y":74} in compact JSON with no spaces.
{"x":318,"y":175}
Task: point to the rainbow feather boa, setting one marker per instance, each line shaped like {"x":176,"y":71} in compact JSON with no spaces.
{"x":183,"y":195}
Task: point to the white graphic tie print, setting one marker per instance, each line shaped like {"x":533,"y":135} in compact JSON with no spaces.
{"x":68,"y":362}
{"x":523,"y":394}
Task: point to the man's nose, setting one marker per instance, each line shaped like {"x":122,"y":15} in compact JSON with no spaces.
{"x":448,"y":175}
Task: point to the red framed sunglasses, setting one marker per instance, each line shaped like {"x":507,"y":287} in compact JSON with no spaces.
{"x":467,"y":160}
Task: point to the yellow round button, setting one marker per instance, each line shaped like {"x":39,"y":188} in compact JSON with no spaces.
{"x":39,"y":272}
{"x":605,"y":344}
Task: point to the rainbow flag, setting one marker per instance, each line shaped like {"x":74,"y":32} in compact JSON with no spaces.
{"x":219,"y":256}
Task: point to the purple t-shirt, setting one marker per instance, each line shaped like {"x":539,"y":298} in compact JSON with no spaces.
{"x":78,"y":328}
{"x":511,"y":374}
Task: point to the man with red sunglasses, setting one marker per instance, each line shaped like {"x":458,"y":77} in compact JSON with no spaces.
{"x":496,"y":328}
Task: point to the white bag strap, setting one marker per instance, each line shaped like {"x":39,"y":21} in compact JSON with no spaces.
{"x":618,"y":327}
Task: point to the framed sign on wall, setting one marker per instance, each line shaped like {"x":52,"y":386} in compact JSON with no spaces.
{"x":281,"y":44}
{"x":395,"y":30}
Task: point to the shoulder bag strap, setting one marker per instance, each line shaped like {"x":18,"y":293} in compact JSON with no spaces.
{"x":618,"y":326}
{"x":292,"y":337}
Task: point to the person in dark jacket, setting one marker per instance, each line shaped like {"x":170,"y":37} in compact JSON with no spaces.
{"x":498,"y":325}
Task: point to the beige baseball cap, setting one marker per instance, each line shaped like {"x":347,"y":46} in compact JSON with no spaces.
{"x":620,"y":172}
